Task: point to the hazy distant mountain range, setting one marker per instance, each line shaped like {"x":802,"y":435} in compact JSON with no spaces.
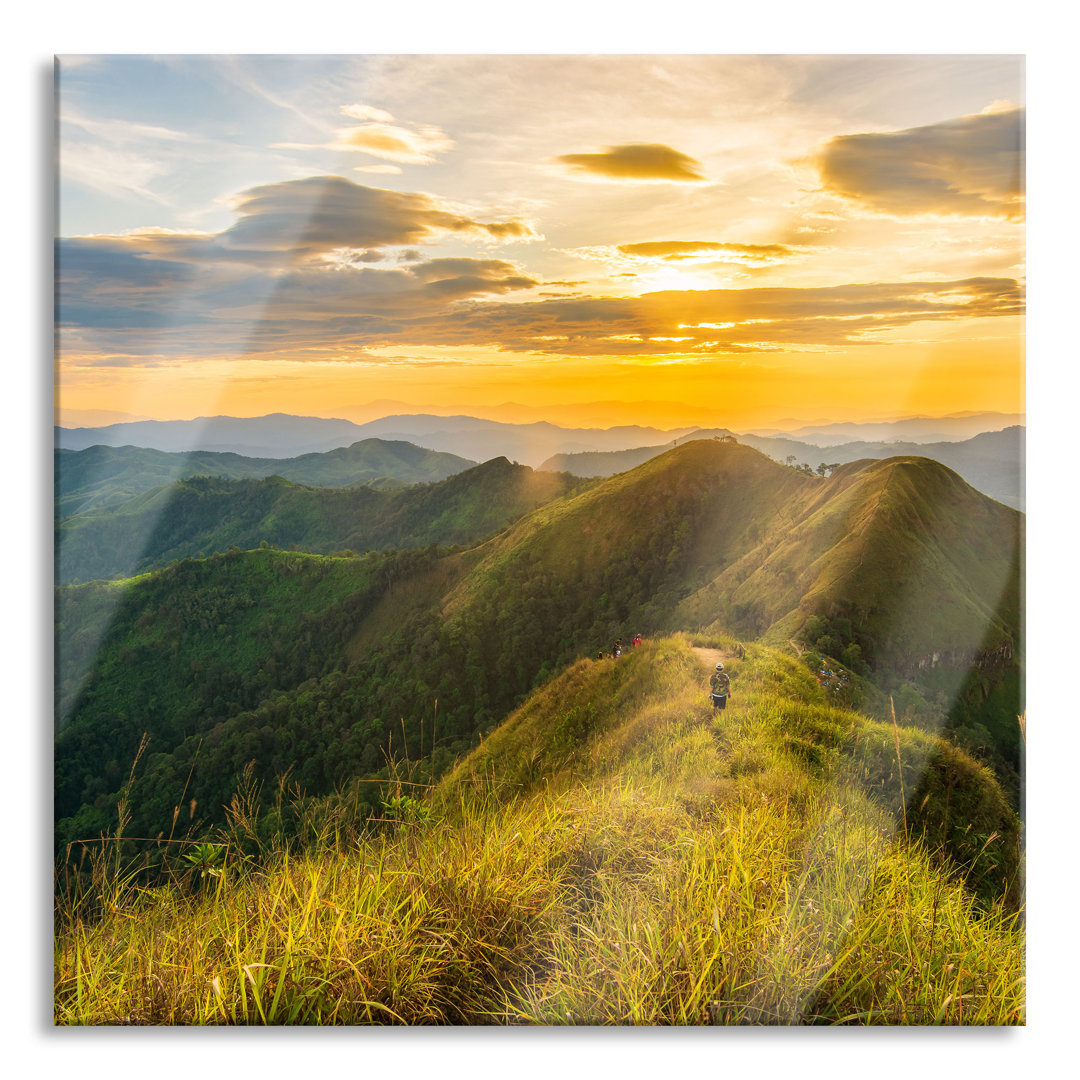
{"x":280,"y":436}
{"x":314,"y":450}
{"x":275,"y":436}
{"x":911,"y":429}
{"x":283,"y":436}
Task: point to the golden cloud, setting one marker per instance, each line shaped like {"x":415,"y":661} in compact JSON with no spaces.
{"x":725,"y":321}
{"x":676,"y":250}
{"x":636,"y":161}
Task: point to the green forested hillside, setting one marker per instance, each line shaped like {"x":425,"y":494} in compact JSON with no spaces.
{"x":345,"y":660}
{"x":185,"y":651}
{"x":202,"y":514}
{"x":100,"y":477}
{"x":916,"y":558}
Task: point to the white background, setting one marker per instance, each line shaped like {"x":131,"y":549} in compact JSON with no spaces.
{"x":1040,"y":30}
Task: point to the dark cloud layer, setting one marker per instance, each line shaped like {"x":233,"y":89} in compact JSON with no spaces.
{"x":316,"y":310}
{"x":972,"y":166}
{"x":91,"y":293}
{"x":309,"y":270}
{"x":288,"y":223}
{"x":299,"y":249}
{"x":636,"y":161}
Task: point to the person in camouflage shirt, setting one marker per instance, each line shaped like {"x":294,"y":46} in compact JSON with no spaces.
{"x":719,"y":687}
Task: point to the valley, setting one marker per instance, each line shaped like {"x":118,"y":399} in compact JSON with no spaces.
{"x":202,"y":514}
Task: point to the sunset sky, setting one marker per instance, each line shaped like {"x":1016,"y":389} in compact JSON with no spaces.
{"x":590,"y":240}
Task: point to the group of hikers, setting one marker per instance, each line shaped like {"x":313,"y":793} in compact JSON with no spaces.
{"x":617,"y":648}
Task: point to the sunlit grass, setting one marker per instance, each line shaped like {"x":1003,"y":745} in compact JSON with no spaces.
{"x":636,"y":862}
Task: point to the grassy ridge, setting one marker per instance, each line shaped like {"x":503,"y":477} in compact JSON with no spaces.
{"x":921,"y":570}
{"x":611,"y":854}
{"x":914,"y":556}
{"x":643,"y":716}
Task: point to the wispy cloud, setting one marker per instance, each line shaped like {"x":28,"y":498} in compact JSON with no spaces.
{"x":411,"y":144}
{"x":121,"y":131}
{"x":237,"y":70}
{"x":113,"y":172}
{"x":367,"y":112}
{"x":118,"y":157}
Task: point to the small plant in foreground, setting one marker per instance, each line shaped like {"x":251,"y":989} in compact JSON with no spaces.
{"x":208,"y":859}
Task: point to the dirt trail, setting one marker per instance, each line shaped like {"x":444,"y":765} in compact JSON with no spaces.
{"x":711,"y":657}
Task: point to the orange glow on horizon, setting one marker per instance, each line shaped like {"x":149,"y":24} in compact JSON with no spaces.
{"x":856,"y":383}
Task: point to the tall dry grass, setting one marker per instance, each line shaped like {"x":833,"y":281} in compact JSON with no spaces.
{"x":651,"y":865}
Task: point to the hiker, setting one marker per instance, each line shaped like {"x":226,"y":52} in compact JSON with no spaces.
{"x":719,"y":688}
{"x":617,"y":648}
